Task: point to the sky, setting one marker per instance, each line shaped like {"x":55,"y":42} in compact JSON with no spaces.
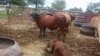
{"x":74,"y":3}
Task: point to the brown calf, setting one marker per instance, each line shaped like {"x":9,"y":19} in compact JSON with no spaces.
{"x":58,"y":48}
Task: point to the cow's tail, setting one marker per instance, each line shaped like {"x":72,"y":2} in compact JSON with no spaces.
{"x":62,"y":27}
{"x":61,"y":22}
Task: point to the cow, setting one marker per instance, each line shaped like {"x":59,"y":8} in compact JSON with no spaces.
{"x":57,"y":48}
{"x":52,"y":22}
{"x":95,"y":22}
{"x":68,"y":16}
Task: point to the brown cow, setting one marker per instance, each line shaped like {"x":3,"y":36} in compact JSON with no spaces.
{"x":69,"y":17}
{"x":58,"y":48}
{"x":50,"y":21}
{"x":95,"y":22}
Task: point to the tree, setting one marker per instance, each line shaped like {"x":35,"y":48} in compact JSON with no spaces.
{"x":58,"y":4}
{"x":18,"y":2}
{"x":92,"y":7}
{"x":75,"y":9}
{"x":3,"y":2}
{"x":37,"y":3}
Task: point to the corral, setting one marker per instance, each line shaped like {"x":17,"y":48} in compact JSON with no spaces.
{"x":27,"y":36}
{"x":25,"y":32}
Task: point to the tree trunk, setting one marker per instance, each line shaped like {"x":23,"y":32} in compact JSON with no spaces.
{"x":36,"y":6}
{"x":8,"y":12}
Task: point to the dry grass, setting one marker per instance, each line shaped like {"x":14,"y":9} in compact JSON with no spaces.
{"x":32,"y":45}
{"x":35,"y":48}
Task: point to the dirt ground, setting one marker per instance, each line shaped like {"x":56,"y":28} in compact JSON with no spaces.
{"x":27,"y":37}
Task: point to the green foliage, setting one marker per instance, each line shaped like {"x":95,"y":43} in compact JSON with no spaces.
{"x":59,"y":4}
{"x":90,"y":7}
{"x":93,"y":7}
{"x":37,"y":3}
{"x":3,"y":14}
{"x":2,"y":2}
{"x":18,"y":2}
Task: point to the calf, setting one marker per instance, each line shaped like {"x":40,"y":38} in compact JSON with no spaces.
{"x":95,"y":22}
{"x":58,"y":48}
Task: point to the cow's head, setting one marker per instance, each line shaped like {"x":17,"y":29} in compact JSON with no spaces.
{"x":35,"y":16}
{"x":51,"y":45}
{"x":73,"y":16}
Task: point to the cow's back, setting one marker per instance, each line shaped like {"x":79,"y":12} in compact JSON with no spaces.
{"x":65,"y":14}
{"x":46,"y":20}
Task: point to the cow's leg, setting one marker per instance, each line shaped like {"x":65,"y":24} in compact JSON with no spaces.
{"x":63,"y":33}
{"x":67,"y":28}
{"x":51,"y":34}
{"x":40,"y":35}
{"x":98,"y":31}
{"x":61,"y":27}
{"x":59,"y":34}
{"x":44,"y":30}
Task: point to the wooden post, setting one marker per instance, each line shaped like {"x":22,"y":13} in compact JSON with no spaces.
{"x":8,"y":16}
